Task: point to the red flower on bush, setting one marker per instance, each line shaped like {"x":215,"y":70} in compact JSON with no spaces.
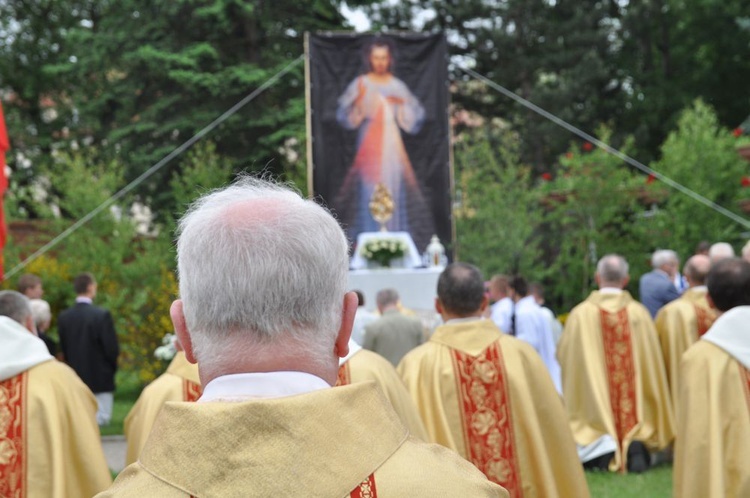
{"x":569,"y":155}
{"x":745,"y":181}
{"x":651,"y":179}
{"x":546,"y":177}
{"x":737,"y":132}
{"x":588,"y":147}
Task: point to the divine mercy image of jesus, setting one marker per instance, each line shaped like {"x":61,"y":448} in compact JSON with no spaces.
{"x":381,"y":107}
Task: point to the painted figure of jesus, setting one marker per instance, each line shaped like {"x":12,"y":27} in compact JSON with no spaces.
{"x":380,"y":106}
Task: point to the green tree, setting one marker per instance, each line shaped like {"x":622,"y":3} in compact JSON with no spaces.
{"x":498,"y":216}
{"x":701,"y":155}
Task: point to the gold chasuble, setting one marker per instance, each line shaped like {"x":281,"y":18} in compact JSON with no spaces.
{"x":679,"y":324}
{"x":366,"y":366}
{"x":489,"y":397}
{"x":179,"y":383}
{"x":331,"y":443}
{"x":613,"y":375}
{"x":49,"y":440}
{"x":712,"y":449}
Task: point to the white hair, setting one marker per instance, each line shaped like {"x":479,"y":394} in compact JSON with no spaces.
{"x":259,"y":265}
{"x":612,"y":269}
{"x":719,"y":251}
{"x":40,"y":311}
{"x":663,"y":257}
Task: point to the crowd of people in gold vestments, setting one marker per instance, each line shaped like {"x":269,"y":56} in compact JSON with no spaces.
{"x":284,"y":384}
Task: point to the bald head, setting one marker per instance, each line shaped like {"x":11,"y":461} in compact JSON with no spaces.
{"x":696,"y":270}
{"x":612,"y":271}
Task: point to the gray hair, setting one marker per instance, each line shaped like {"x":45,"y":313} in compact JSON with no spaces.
{"x":386,"y":297}
{"x":15,"y":305}
{"x":40,"y":312}
{"x":259,"y":265}
{"x":663,"y":257}
{"x":612,"y":269}
{"x":719,"y":251}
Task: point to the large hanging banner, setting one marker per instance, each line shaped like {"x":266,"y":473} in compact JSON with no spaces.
{"x":378,"y":117}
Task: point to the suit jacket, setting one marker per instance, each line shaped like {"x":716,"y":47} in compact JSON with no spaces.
{"x":656,"y":290}
{"x":393,"y":335}
{"x":89,"y":343}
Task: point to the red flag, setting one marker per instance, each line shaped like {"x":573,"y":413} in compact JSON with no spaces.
{"x":4,"y":146}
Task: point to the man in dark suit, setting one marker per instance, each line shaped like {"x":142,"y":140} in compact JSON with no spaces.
{"x":89,"y":344}
{"x":657,"y":286}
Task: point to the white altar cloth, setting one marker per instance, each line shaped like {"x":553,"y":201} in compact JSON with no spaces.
{"x":416,"y":287}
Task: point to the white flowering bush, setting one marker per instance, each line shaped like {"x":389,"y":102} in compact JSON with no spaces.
{"x":383,"y":251}
{"x":168,"y":348}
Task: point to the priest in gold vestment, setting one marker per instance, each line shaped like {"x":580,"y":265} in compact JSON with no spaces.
{"x":712,"y":449}
{"x":49,"y":438}
{"x":265,"y":312}
{"x":361,"y":365}
{"x":684,"y":320}
{"x":614,"y":382}
{"x":179,"y":383}
{"x":489,"y":396}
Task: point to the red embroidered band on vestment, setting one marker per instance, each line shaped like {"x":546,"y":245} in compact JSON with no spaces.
{"x":13,"y":456}
{"x":366,"y":489}
{"x":618,"y":355}
{"x":486,"y":416}
{"x":745,"y":376}
{"x":191,"y":391}
{"x":344,"y":377}
{"x":704,"y":319}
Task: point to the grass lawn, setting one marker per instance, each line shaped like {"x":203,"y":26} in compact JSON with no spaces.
{"x":656,"y":483}
{"x":128,"y":389}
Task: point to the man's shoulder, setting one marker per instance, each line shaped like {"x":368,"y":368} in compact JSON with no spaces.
{"x":54,"y":379}
{"x":704,"y":353}
{"x":423,"y":469}
{"x":137,"y":482}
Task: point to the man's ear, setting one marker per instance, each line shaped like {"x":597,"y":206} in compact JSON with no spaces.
{"x":348,"y":311}
{"x":30,"y":325}
{"x":180,"y":328}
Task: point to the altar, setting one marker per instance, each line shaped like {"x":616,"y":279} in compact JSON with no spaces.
{"x":416,"y":287}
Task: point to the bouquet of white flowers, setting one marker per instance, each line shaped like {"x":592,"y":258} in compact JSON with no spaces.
{"x":383,"y":251}
{"x":168,"y":348}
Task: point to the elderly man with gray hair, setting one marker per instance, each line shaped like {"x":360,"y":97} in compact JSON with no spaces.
{"x":657,"y":286}
{"x":720,"y":251}
{"x":265,"y":313}
{"x":614,"y":383}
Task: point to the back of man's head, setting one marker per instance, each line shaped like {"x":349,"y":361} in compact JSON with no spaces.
{"x":15,"y":306}
{"x":696,"y":270}
{"x":719,"y":251}
{"x":729,"y":284}
{"x":612,"y":271}
{"x":664,"y":258}
{"x":83,"y":282}
{"x":460,"y":289}
{"x":386,"y":298}
{"x":703,"y":247}
{"x":260,"y":269}
{"x":28,"y":282}
{"x":520,"y":286}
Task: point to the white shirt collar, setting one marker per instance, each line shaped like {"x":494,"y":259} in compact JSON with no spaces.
{"x":84,"y":299}
{"x":21,"y":349}
{"x":247,"y":386}
{"x":354,"y":348}
{"x":464,"y":320}
{"x":610,"y":290}
{"x":702,"y":288}
{"x":731,"y":332}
